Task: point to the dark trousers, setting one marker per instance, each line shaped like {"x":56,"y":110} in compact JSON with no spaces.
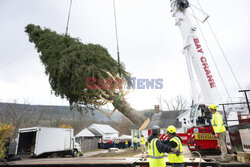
{"x":135,"y":146}
{"x":177,"y":165}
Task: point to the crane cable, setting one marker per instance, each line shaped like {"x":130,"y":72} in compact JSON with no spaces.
{"x":211,"y":54}
{"x":67,"y":26}
{"x":222,"y":51}
{"x":117,"y":43}
{"x":205,"y":14}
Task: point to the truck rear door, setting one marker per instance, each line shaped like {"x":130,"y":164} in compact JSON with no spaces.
{"x":67,"y":140}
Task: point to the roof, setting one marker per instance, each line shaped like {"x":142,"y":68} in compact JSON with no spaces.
{"x":95,"y":132}
{"x":147,"y":113}
{"x":166,"y":118}
{"x":104,"y":129}
{"x":125,"y":137}
{"x":85,"y":133}
{"x":184,"y":114}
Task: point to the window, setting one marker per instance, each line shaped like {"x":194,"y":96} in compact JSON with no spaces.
{"x":192,"y":113}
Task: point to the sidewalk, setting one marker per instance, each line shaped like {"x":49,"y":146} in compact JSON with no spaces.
{"x":88,"y":154}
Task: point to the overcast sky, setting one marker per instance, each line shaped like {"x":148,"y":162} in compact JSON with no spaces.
{"x":150,"y":44}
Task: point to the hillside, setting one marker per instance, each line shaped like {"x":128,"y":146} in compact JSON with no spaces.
{"x":24,"y":115}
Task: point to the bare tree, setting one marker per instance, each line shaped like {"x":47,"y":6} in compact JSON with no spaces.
{"x":176,"y":103}
{"x":38,"y":117}
{"x":160,"y":101}
{"x":22,"y":115}
{"x":18,"y":115}
{"x":123,"y":126}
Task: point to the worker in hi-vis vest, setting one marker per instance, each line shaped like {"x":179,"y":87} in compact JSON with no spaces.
{"x":143,"y":145}
{"x":126,"y":143}
{"x":157,"y":148}
{"x":135,"y":140}
{"x":220,"y":132}
{"x":176,"y":160}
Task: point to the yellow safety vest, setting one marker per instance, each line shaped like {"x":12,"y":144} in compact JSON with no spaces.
{"x":126,"y":142}
{"x":143,"y":140}
{"x":156,"y":159}
{"x":173,"y":158}
{"x":217,"y":123}
{"x":135,"y":140}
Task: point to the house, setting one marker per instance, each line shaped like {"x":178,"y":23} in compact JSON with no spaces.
{"x":95,"y":132}
{"x":123,"y":137}
{"x":85,"y":133}
{"x":91,"y":136}
{"x":106,"y":131}
{"x":87,"y":140}
{"x":163,"y":119}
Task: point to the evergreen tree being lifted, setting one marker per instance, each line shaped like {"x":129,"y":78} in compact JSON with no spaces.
{"x":76,"y":71}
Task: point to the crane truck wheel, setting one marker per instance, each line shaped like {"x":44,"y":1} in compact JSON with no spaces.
{"x":75,"y":153}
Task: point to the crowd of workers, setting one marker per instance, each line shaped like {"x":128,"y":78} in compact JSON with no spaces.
{"x":154,"y":149}
{"x":117,"y":143}
{"x":173,"y":146}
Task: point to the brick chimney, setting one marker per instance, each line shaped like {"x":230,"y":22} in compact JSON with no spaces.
{"x":157,"y":109}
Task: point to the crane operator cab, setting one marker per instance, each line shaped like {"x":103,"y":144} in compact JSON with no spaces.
{"x":200,"y":115}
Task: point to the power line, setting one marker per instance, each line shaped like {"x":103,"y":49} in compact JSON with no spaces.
{"x":14,"y":59}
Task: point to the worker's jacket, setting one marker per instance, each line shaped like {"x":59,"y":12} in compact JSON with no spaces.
{"x":173,"y":158}
{"x":135,"y":140}
{"x":126,"y":142}
{"x":143,"y":140}
{"x":156,"y":159}
{"x":217,"y":123}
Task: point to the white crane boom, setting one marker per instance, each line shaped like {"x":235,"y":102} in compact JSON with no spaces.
{"x":195,"y":56}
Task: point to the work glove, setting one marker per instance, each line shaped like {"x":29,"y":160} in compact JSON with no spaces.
{"x":176,"y":151}
{"x":217,"y":135}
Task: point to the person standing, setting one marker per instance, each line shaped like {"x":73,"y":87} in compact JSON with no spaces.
{"x":126,"y":143}
{"x":174,"y":142}
{"x":220,"y":132}
{"x":143,"y":145}
{"x":157,"y":148}
{"x":135,"y":140}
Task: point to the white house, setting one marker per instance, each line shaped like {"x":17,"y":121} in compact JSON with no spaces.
{"x":163,"y":119}
{"x":88,"y":139}
{"x":85,"y":133}
{"x":106,"y":131}
{"x":128,"y":137}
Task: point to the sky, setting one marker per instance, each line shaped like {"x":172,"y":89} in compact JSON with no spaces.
{"x":150,"y":45}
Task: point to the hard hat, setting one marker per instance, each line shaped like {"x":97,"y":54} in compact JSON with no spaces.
{"x":156,"y":130}
{"x":171,"y":129}
{"x":213,"y":106}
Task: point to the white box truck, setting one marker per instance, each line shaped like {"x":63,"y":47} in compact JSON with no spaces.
{"x":47,"y":141}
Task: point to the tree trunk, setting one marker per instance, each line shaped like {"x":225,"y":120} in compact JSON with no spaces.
{"x":134,"y":116}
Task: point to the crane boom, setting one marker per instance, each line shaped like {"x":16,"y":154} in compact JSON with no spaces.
{"x":195,"y":56}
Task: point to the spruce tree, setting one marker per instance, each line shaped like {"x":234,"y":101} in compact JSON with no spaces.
{"x":69,"y":64}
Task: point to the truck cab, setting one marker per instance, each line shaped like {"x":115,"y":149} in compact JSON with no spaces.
{"x":200,"y":132}
{"x":200,"y":115}
{"x":76,"y":147}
